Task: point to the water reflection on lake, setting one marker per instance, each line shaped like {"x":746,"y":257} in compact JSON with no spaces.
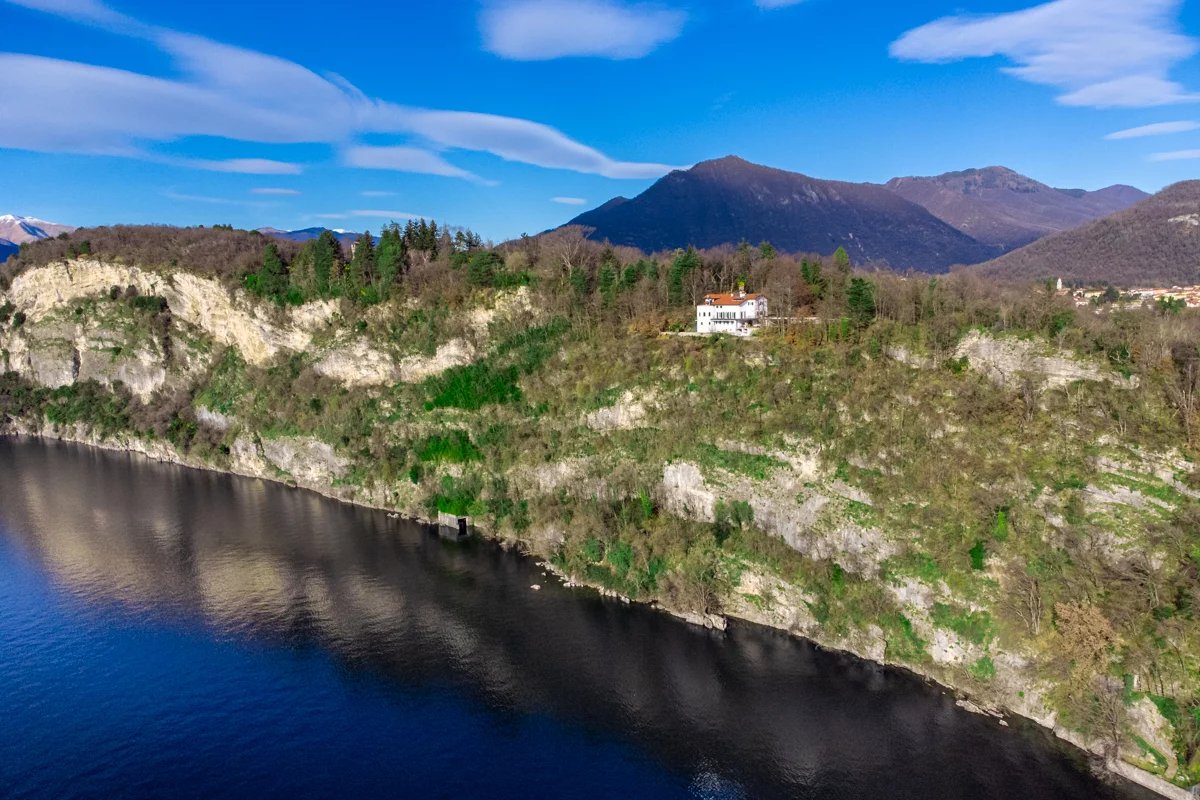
{"x":172,"y":633}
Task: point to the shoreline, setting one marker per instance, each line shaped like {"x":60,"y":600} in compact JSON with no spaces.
{"x":164,"y":453}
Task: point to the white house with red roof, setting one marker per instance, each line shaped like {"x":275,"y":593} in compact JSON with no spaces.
{"x":737,"y":313}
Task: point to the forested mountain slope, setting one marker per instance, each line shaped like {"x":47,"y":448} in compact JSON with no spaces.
{"x":1154,"y":243}
{"x":730,"y":200}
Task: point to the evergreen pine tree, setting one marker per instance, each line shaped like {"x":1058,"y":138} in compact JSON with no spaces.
{"x":630,"y":276}
{"x":579,"y":281}
{"x":360,"y":278}
{"x":390,"y":257}
{"x":327,"y":263}
{"x":684,"y":264}
{"x":272,"y":278}
{"x":302,"y":275}
{"x":860,"y":300}
{"x":607,"y":280}
{"x":839,"y":280}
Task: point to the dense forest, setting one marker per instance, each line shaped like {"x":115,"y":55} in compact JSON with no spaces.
{"x":879,"y":475}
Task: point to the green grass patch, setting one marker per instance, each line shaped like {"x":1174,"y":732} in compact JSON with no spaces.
{"x":226,"y":384}
{"x":1149,"y":750}
{"x":493,"y":381}
{"x":978,"y":555}
{"x":1071,"y":481}
{"x":1169,"y":708}
{"x":1159,"y":491}
{"x":903,"y":643}
{"x":458,"y":496}
{"x":921,"y":566}
{"x":1000,"y":528}
{"x":90,"y":403}
{"x":474,"y":386}
{"x":751,"y":465}
{"x":977,"y":628}
{"x":453,"y":447}
{"x":983,"y":670}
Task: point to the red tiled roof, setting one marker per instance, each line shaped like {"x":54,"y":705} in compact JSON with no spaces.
{"x":729,"y":299}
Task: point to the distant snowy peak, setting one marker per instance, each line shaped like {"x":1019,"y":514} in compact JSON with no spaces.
{"x":19,"y":230}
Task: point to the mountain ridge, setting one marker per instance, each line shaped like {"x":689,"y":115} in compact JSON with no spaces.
{"x":727,"y":200}
{"x":305,"y":234}
{"x":16,"y":230}
{"x":1155,"y":242}
{"x":19,"y":230}
{"x":1001,"y":207}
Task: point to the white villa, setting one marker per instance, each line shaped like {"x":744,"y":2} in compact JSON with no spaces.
{"x":737,"y":313}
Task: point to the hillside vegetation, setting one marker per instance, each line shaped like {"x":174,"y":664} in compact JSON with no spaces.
{"x":1154,"y":243}
{"x":973,"y":480}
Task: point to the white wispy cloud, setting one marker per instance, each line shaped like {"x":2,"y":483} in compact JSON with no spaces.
{"x":217,"y":90}
{"x":569,"y":201}
{"x":403,"y":159}
{"x":1098,"y":53}
{"x":538,"y":30}
{"x":241,"y":166}
{"x":368,"y":213}
{"x":277,"y":192}
{"x":184,"y":197}
{"x":518,"y":140}
{"x":90,"y":11}
{"x":1155,"y":129}
{"x":377,"y":193}
{"x":384,"y":214}
{"x":1176,"y":155}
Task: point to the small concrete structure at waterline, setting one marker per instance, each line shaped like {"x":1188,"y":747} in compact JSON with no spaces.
{"x":453,"y":527}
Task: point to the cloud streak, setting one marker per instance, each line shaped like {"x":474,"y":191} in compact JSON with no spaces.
{"x":539,"y":30}
{"x":1156,"y":129}
{"x":368,"y":214}
{"x":1177,"y":155}
{"x":403,"y":159}
{"x":54,"y":105}
{"x":1097,"y":53}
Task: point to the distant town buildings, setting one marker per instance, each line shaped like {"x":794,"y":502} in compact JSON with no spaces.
{"x":1190,"y":295}
{"x":737,"y":313}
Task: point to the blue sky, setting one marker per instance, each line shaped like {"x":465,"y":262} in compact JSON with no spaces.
{"x":511,"y":116}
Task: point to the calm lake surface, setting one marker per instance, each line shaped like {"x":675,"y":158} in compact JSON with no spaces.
{"x":166,"y":633}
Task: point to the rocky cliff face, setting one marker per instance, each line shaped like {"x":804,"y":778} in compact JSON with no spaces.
{"x":75,"y":332}
{"x":228,"y":318}
{"x":58,"y":347}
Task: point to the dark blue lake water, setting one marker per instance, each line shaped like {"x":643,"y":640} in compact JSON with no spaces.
{"x":166,"y":633}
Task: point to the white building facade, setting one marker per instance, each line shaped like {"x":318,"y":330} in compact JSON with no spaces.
{"x":737,"y":313}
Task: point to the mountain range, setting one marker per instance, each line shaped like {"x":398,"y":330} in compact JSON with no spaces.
{"x":347,"y":238}
{"x":1000,"y":207}
{"x":16,"y":231}
{"x":1003,"y":224}
{"x":729,"y":200}
{"x":1156,"y":243}
{"x":928,"y":224}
